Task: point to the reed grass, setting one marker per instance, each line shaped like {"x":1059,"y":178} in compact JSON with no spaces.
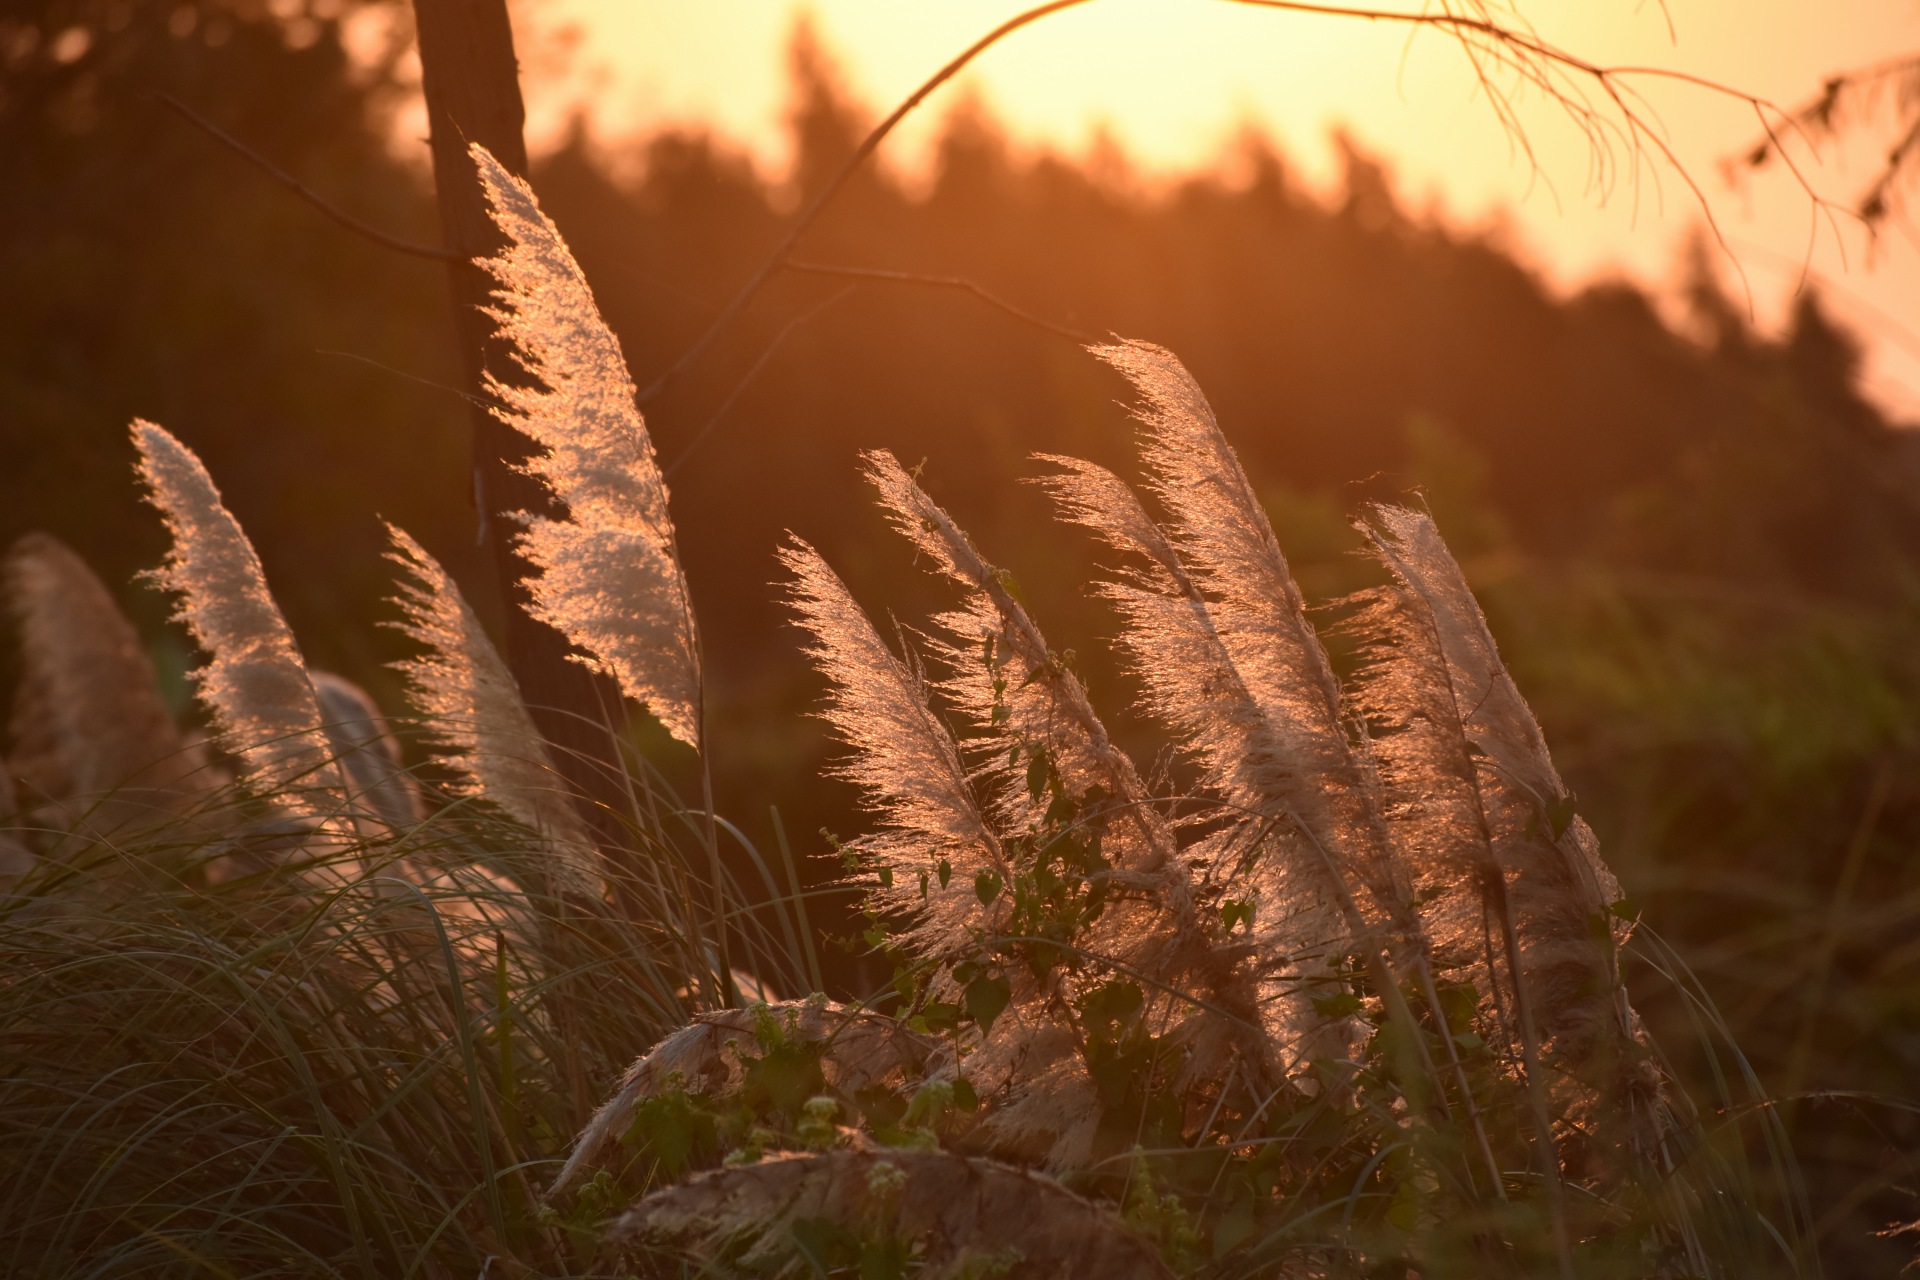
{"x":1347,"y":996}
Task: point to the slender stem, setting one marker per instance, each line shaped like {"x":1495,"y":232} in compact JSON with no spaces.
{"x":799,"y":897}
{"x":940,"y":282}
{"x":1494,"y":890}
{"x":1836,"y":924}
{"x":301,"y":189}
{"x":1536,"y":1085}
{"x":722,"y":992}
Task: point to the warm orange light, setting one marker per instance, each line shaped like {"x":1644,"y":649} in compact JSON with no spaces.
{"x":1172,"y":81}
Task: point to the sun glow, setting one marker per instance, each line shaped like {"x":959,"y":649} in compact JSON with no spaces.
{"x":1169,"y":84}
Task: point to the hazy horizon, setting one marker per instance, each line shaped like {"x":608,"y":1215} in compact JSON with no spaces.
{"x":1171,"y":84}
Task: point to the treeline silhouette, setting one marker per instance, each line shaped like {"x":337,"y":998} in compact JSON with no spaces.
{"x":1354,"y":347}
{"x":1699,"y":548}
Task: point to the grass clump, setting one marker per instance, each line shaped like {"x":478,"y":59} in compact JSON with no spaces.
{"x":1338,"y":991}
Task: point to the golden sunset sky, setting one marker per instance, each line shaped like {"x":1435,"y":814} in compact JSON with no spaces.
{"x":1173,"y":82}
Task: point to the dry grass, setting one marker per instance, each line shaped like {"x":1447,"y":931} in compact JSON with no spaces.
{"x":1339,"y":994}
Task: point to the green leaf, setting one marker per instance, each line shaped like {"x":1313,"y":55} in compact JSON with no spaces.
{"x":909,"y":1137}
{"x":934,"y":1100}
{"x":1111,"y":1003}
{"x":946,"y":872}
{"x":939,"y":1015}
{"x":881,"y":1106}
{"x":1037,"y":775}
{"x":1344,"y":1005}
{"x":785,"y":1078}
{"x":673,"y":1130}
{"x":987,"y":996}
{"x":824,"y":1243}
{"x":1234,"y":1227}
{"x":986,"y":887}
{"x":1459,"y":1001}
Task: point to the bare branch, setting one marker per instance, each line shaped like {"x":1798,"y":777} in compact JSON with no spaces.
{"x":779,"y":339}
{"x":819,"y":203}
{"x":941,"y":282}
{"x":301,"y":189}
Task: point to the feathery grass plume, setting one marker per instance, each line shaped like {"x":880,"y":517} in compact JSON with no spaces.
{"x":1561,"y":894}
{"x":1026,"y":704}
{"x":859,"y":1050}
{"x":369,"y":758}
{"x":906,"y":764}
{"x":1040,"y":699}
{"x":88,"y":719}
{"x":955,"y":1216}
{"x":255,"y":685}
{"x":1216,"y":523}
{"x":935,"y":849}
{"x":469,"y":704}
{"x":1311,"y":773}
{"x":1403,"y":690}
{"x":1190,"y":683}
{"x":1259,"y":665}
{"x":610,"y":577}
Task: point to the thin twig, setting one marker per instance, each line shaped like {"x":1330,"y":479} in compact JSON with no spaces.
{"x":305,"y":192}
{"x":402,"y":373}
{"x":819,"y":203}
{"x":940,"y":282}
{"x":700,"y":436}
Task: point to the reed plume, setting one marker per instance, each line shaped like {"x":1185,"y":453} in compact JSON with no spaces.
{"x":1562,"y":895}
{"x":1218,"y":631}
{"x":1191,"y":684}
{"x":255,"y":684}
{"x":960,"y":1216}
{"x":610,"y":577}
{"x":1403,"y":690}
{"x":905,"y":762}
{"x":469,"y":704}
{"x":1308,"y":769}
{"x":1143,"y":916}
{"x":88,"y":719}
{"x":1043,"y":701}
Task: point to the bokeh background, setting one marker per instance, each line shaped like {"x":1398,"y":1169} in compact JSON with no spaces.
{"x":1685,"y":482}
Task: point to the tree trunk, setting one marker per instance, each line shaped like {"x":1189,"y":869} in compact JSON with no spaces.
{"x":472,"y":84}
